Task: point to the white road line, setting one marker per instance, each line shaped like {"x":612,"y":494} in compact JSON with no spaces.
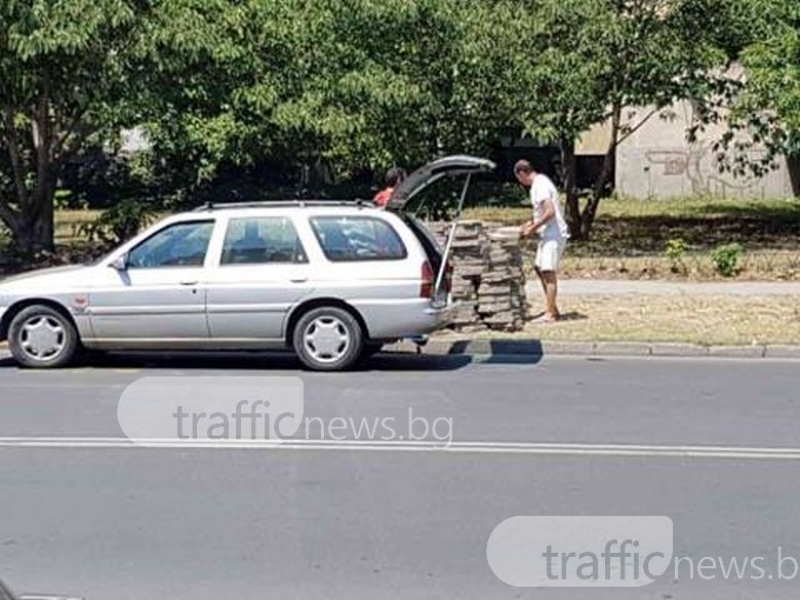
{"x":546,"y":449}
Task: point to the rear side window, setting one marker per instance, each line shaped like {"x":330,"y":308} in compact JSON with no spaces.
{"x":348,"y":239}
{"x":262,"y":240}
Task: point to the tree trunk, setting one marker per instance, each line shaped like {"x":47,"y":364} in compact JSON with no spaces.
{"x":33,"y":227}
{"x":44,"y":225}
{"x":605,"y":178}
{"x":569,"y":175}
{"x":30,"y":218}
{"x":598,"y":193}
{"x":31,"y":222}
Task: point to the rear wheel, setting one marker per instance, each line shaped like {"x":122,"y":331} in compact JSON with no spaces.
{"x":41,"y":337}
{"x":328,"y":339}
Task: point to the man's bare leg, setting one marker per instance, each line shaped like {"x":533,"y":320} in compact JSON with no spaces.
{"x":540,"y":275}
{"x":550,"y":283}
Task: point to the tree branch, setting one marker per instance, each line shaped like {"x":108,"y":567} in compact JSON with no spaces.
{"x":12,"y":141}
{"x":60,"y":147}
{"x":629,"y":132}
{"x":41,"y":137}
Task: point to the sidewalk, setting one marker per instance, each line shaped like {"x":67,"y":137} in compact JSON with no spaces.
{"x":613,"y":287}
{"x":744,"y":314}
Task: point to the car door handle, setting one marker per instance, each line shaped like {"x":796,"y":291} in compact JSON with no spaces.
{"x":299,"y":279}
{"x":188,"y":283}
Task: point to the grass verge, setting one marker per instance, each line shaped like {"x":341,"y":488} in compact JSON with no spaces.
{"x":630,"y":238}
{"x":704,"y":320}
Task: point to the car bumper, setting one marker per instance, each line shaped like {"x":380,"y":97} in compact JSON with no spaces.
{"x":404,"y":320}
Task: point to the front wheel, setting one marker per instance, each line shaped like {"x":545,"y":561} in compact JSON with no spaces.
{"x":328,"y":339}
{"x":41,"y":337}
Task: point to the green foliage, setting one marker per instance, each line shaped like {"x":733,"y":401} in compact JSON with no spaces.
{"x":592,"y":62}
{"x":769,"y":103}
{"x":68,"y":200}
{"x":726,"y":259}
{"x":224,"y":86}
{"x":119,"y":223}
{"x":676,"y":251}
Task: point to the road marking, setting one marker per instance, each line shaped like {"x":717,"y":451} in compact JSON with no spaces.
{"x":547,"y":449}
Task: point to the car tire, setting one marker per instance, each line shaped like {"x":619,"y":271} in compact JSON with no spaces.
{"x":41,"y":337}
{"x":328,"y":339}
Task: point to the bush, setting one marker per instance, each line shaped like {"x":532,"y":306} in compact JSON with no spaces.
{"x":726,"y":259}
{"x":120,"y":222}
{"x":676,"y":250}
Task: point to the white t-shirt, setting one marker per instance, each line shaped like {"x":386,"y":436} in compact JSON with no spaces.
{"x":542,"y":190}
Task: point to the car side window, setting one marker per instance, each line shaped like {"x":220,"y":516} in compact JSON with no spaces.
{"x":262,"y":240}
{"x":178,"y":245}
{"x":348,"y":239}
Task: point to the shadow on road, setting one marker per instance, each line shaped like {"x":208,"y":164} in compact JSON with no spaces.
{"x":500,"y":351}
{"x":459,"y":357}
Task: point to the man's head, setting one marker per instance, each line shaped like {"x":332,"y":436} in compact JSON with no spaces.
{"x":524,"y":172}
{"x":395,"y":177}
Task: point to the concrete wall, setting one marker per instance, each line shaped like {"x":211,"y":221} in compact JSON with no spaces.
{"x":657,"y":161}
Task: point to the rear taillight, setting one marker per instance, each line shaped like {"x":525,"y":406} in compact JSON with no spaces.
{"x":428,"y":281}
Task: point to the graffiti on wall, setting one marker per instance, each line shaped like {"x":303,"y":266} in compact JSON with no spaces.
{"x":699,"y":165}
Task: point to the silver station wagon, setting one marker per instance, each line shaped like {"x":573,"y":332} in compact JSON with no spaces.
{"x":332,"y":281}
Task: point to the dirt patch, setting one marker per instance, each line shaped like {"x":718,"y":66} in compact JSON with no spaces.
{"x":704,"y":320}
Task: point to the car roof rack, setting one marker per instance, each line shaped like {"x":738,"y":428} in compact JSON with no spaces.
{"x":209,"y":206}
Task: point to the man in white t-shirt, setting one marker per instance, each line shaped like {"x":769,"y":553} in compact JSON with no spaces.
{"x":549,"y":223}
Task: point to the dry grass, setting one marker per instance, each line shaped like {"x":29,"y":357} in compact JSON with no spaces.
{"x":68,"y":224}
{"x":760,"y":265}
{"x":705,"y":320}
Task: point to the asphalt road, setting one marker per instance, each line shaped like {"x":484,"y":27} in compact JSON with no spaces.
{"x":713,"y":444}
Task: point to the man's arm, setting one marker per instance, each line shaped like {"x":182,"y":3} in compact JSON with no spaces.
{"x":533,"y":226}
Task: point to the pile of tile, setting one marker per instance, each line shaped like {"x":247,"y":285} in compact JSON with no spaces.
{"x":489,"y":278}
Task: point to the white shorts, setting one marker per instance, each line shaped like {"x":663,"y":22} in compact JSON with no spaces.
{"x":549,"y":254}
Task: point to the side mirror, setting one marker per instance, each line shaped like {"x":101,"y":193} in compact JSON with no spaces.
{"x":120,"y":263}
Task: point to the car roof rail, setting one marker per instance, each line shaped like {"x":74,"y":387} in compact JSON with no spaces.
{"x":210,"y":206}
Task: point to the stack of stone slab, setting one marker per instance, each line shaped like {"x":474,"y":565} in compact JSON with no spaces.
{"x":502,"y":302}
{"x":489,"y":277}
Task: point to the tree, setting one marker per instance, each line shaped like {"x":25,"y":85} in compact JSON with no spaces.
{"x":403,"y":82}
{"x":63,"y":67}
{"x":594,"y":61}
{"x":74,"y":74}
{"x":767,"y":107}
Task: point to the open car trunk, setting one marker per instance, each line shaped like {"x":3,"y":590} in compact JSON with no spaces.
{"x":450,"y":166}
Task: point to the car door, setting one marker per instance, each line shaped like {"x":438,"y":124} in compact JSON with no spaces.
{"x":157,"y":296}
{"x":261,"y":273}
{"x":421,"y":179}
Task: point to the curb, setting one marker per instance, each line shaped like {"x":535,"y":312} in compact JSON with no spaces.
{"x":538,"y":348}
{"x":533,"y":347}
